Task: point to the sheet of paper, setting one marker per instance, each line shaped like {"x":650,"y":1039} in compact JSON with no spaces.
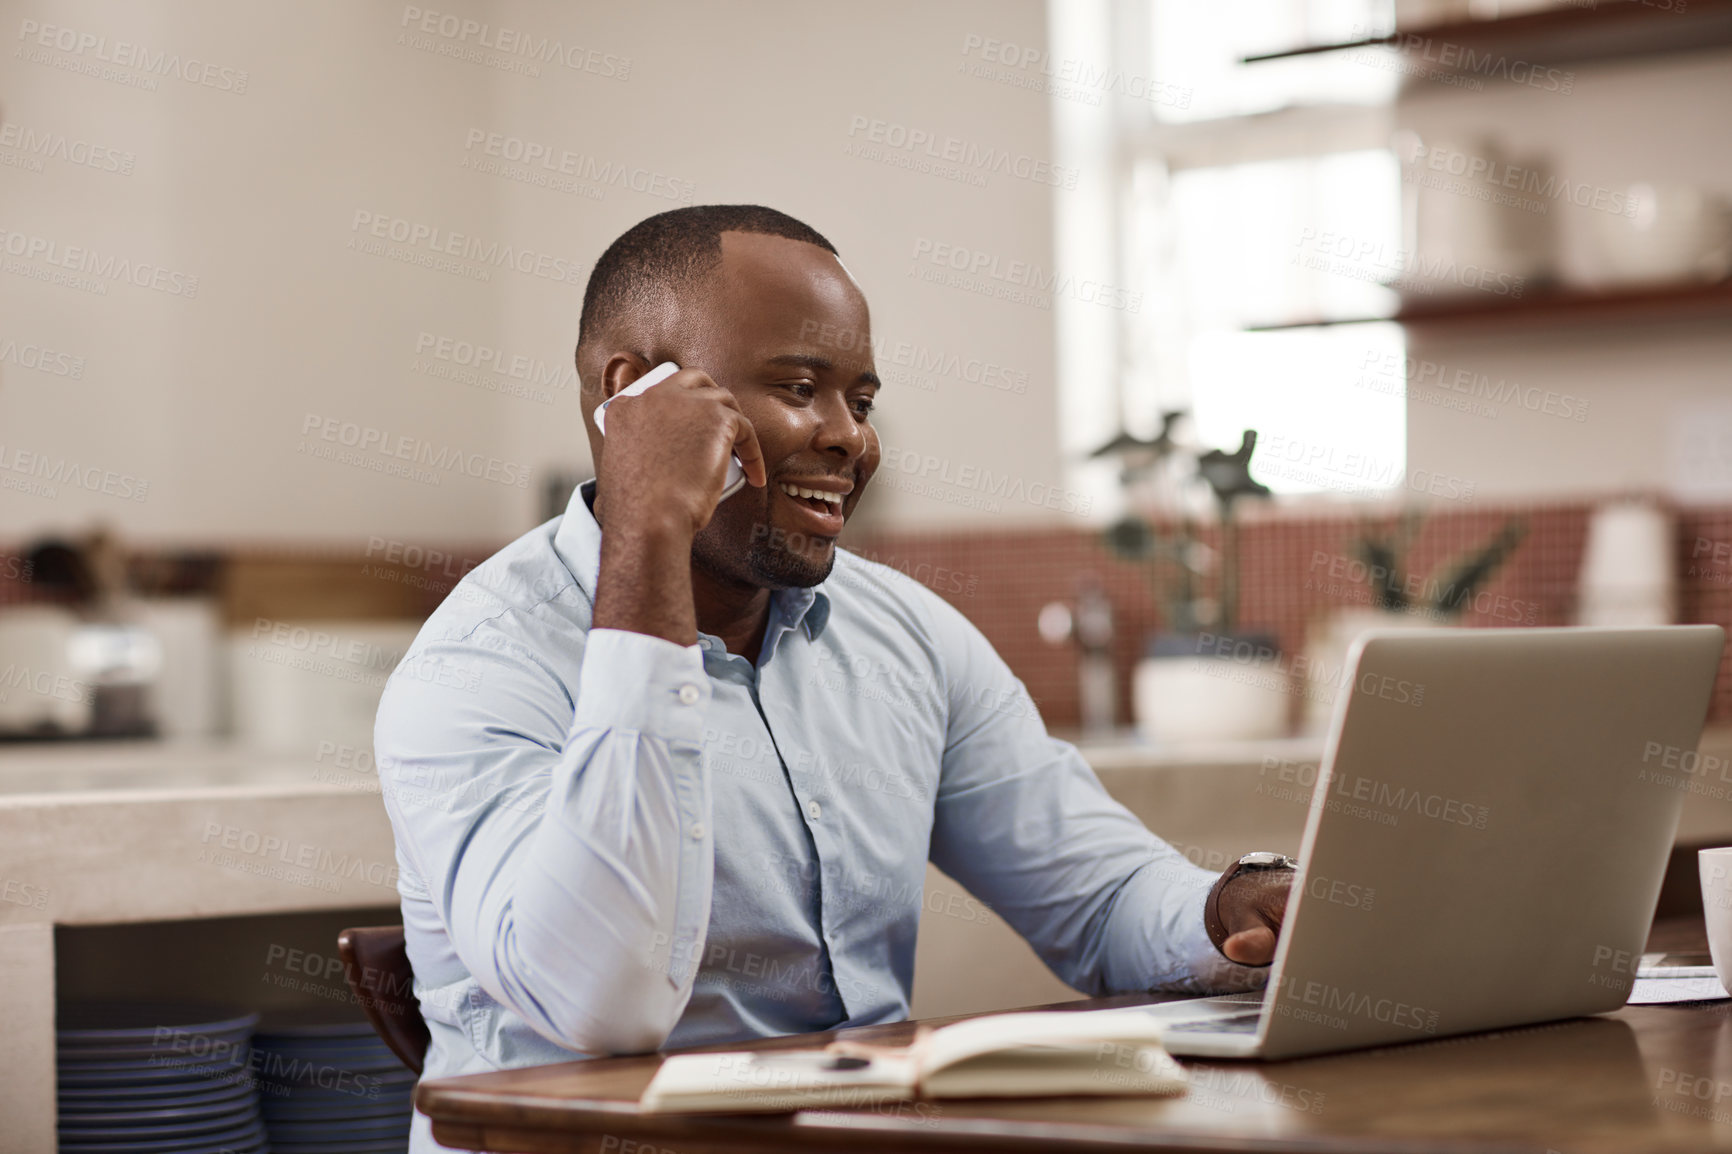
{"x":1651,"y":966}
{"x":1654,"y":991}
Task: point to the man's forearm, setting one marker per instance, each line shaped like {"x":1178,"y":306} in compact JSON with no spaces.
{"x":645,"y":583}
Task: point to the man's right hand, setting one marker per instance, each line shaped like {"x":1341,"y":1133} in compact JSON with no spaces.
{"x":664,"y":460}
{"x":664,"y":464}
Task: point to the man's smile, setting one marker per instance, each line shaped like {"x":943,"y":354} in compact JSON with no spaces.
{"x":818,"y":502}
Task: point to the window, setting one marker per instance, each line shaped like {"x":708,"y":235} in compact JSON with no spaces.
{"x":1248,"y":194}
{"x":1199,"y":46}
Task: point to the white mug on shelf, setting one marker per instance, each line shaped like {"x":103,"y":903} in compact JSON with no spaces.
{"x":1665,"y":233}
{"x":1453,"y":223}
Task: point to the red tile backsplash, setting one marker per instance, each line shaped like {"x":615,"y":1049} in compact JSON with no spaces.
{"x":1293,"y":569}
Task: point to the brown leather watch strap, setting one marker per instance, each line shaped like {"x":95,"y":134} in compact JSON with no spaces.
{"x":1212,"y":921}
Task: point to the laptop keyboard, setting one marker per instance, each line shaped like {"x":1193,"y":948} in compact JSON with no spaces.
{"x":1226,"y":1024}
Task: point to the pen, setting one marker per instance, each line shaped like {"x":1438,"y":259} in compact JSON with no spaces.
{"x":808,"y":1061}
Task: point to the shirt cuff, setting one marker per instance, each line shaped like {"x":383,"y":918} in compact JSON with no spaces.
{"x":1210,"y":968}
{"x":649,"y":685}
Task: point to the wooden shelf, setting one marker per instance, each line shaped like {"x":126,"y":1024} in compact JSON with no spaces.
{"x":1561,"y":307}
{"x":1613,"y":29}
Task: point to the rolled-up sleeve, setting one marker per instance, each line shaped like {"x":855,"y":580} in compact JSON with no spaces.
{"x":1023,"y":822}
{"x":562,"y":839}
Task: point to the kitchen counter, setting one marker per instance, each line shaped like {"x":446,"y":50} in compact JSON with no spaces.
{"x":155,"y":766}
{"x":101,"y":834}
{"x":132,"y":831}
{"x":105,"y":833}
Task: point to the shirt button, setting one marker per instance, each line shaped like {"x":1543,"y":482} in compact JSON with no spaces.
{"x":697,"y":831}
{"x":689,"y":695}
{"x":814,"y":810}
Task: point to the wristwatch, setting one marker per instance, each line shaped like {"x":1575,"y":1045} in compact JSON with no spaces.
{"x":1257,"y":861}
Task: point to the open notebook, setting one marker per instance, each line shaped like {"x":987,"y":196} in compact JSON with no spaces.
{"x":1004,"y":1055}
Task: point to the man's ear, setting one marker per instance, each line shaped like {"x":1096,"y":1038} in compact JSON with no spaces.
{"x":620,"y":371}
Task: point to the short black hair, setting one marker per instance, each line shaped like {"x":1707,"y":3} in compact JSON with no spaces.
{"x":672,"y":249}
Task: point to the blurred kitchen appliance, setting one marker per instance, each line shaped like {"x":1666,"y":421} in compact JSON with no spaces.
{"x":75,"y":662}
{"x":302,"y":686}
{"x":1626,"y":576}
{"x":40,"y":691}
{"x":187,"y":697}
{"x":121,"y":661}
{"x":62,"y":676}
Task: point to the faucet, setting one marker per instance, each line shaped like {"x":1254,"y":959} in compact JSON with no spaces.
{"x":1090,"y":626}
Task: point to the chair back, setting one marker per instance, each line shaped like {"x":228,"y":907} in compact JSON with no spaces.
{"x":377,"y":966}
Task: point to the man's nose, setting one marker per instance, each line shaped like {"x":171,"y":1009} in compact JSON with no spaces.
{"x":839,"y":430}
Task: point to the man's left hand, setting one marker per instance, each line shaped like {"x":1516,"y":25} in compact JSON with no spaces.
{"x":1251,"y":907}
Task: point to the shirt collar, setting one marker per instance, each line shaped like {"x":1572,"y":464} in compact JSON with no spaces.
{"x":578,"y":539}
{"x":578,"y":543}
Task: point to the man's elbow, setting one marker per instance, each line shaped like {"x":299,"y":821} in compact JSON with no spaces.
{"x":627,"y":1008}
{"x":609,"y":988}
{"x":633,"y":1035}
{"x":620,"y":1025}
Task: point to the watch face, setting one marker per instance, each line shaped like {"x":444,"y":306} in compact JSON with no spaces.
{"x":1264,"y":859}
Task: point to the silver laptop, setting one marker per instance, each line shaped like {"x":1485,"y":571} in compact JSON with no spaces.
{"x":1488,"y":831}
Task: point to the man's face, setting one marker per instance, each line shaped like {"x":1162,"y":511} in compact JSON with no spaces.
{"x":786,"y":332}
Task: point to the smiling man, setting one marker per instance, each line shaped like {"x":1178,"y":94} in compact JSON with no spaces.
{"x":668,"y":769}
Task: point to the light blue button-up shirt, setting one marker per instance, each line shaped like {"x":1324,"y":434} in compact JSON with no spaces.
{"x":609,"y":843}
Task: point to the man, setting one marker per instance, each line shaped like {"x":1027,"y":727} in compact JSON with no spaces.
{"x":667,"y":770}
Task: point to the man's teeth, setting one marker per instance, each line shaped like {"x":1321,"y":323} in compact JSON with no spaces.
{"x":817,"y":494}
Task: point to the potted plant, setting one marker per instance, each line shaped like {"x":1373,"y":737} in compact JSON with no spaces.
{"x":1200,"y":677}
{"x":1382,"y":591}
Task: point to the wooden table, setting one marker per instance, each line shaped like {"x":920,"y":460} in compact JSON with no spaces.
{"x":1647,"y":1078}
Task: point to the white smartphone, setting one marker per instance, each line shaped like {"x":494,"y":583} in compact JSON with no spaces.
{"x":736,"y":471}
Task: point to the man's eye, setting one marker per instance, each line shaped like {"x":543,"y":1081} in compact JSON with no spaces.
{"x":802,"y":389}
{"x":863,"y":406}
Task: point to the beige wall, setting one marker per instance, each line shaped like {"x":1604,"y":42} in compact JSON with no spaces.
{"x":1658,"y":393}
{"x":199,"y":401}
{"x":346,"y":110}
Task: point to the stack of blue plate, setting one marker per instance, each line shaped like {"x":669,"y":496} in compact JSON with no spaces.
{"x":156,"y":1078}
{"x":329,"y":1085}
